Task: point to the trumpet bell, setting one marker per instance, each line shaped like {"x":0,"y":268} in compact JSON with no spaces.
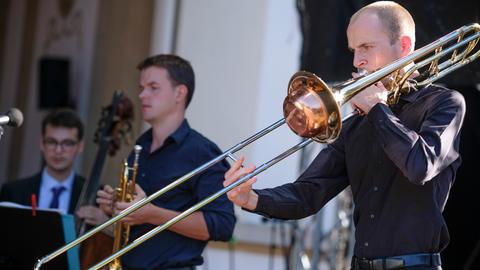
{"x":310,"y":109}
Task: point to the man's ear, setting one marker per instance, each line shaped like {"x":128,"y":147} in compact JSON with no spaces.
{"x":182,"y":92}
{"x":406,"y":45}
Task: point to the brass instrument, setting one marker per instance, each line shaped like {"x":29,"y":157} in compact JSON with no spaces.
{"x":125,"y":192}
{"x":311,"y":110}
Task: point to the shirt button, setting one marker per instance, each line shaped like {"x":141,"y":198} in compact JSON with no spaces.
{"x":143,"y":175}
{"x":366,"y":244}
{"x":375,"y":188}
{"x":372,"y":216}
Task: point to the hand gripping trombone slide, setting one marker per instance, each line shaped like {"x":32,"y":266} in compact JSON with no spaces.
{"x":312,"y":110}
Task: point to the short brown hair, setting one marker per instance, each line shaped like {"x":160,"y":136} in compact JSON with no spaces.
{"x":179,"y":70}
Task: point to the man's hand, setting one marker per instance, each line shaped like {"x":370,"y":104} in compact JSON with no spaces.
{"x":369,"y":97}
{"x":92,"y":215}
{"x":141,"y":215}
{"x":241,"y":195}
{"x":105,"y":199}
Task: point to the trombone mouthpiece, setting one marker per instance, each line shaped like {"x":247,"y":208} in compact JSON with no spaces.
{"x":362,"y":72}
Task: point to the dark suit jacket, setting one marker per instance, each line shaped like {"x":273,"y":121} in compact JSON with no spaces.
{"x":20,"y":191}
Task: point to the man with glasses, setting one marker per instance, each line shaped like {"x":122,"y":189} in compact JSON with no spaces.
{"x":57,"y":185}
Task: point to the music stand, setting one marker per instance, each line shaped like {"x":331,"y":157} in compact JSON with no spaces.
{"x":26,"y":238}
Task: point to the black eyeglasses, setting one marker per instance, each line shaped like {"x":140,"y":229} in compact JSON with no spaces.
{"x":66,"y":145}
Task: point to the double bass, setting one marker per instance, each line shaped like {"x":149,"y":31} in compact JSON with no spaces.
{"x":113,"y":128}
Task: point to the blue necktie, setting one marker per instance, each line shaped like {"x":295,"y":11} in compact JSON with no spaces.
{"x":56,"y":195}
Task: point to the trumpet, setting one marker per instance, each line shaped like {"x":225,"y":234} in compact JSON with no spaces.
{"x":125,"y":192}
{"x":312,"y":110}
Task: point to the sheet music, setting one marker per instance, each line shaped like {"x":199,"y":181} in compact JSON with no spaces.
{"x":21,"y":206}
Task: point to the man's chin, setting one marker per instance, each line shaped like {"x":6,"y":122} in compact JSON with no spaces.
{"x":148,"y":120}
{"x":60,"y":169}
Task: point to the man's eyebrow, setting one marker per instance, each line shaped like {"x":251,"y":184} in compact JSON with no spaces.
{"x":148,"y":84}
{"x":365,"y":44}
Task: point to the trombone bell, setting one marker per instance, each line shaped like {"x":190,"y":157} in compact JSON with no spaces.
{"x":310,"y":108}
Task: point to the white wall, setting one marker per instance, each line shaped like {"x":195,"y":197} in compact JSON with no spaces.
{"x":243,"y":53}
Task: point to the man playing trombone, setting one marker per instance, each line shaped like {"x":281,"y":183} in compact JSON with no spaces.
{"x":399,"y":160}
{"x":170,"y":149}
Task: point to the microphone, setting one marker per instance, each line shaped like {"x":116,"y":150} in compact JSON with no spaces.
{"x":13,"y":118}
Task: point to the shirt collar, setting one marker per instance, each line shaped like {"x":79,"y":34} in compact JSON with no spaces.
{"x":50,"y":182}
{"x":181,"y":133}
{"x":414,"y":94}
{"x":178,"y":136}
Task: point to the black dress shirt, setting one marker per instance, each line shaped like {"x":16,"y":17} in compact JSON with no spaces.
{"x":400,"y":167}
{"x":183,"y":151}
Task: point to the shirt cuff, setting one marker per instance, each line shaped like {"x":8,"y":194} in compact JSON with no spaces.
{"x":263,"y":204}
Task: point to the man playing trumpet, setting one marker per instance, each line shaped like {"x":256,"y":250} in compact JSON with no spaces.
{"x":170,"y":149}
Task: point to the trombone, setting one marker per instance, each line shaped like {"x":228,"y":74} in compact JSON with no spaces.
{"x":312,"y":111}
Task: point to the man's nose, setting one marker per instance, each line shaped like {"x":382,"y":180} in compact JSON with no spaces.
{"x":359,"y":61}
{"x":58,"y":147}
{"x":145,"y":93}
{"x":142,"y":93}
